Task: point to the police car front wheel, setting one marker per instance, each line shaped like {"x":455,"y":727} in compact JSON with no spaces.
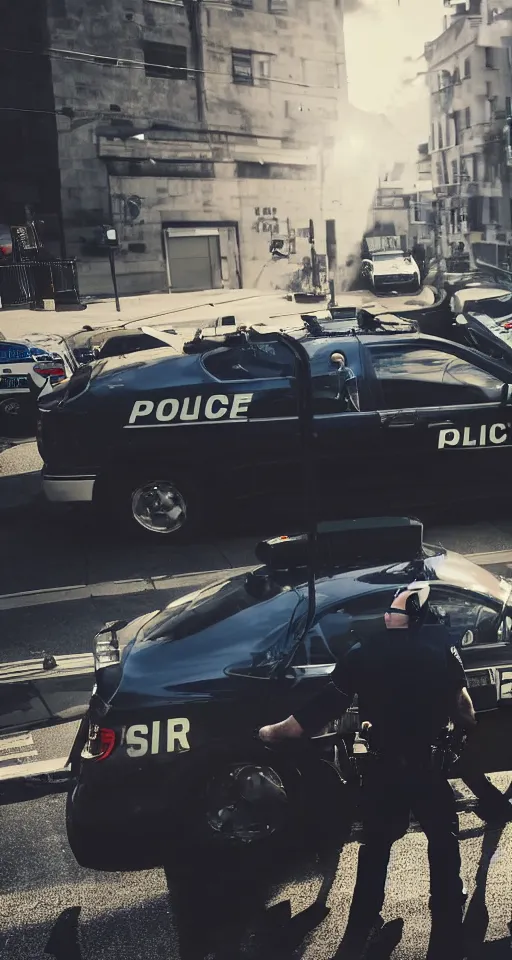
{"x":159,"y":507}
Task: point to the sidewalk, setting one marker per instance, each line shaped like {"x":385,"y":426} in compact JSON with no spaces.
{"x":195,"y":309}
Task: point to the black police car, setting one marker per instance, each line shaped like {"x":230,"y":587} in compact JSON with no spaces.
{"x":168,"y":745}
{"x":166,"y":439}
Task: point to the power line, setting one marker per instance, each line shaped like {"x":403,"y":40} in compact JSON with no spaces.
{"x":79,"y":56}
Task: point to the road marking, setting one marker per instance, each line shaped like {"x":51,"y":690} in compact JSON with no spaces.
{"x":34,"y":769}
{"x":110,"y":588}
{"x":16,"y":749}
{"x":16,"y":741}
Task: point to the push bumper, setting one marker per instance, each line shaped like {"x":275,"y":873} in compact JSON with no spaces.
{"x":69,"y":489}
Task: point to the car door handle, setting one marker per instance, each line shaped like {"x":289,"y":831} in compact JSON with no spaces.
{"x":441,"y":423}
{"x":398,"y":419}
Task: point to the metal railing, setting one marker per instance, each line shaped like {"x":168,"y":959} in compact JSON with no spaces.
{"x":33,"y":281}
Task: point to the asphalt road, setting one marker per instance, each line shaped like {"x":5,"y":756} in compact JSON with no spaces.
{"x":210,"y":911}
{"x":51,"y":907}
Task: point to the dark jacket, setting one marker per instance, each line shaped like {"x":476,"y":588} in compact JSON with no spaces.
{"x":406,"y":684}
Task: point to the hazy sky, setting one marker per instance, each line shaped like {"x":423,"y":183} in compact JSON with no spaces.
{"x":379,"y":35}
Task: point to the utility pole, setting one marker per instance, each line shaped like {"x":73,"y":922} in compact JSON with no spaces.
{"x":315,"y":277}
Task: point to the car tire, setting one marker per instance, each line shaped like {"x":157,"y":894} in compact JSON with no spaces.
{"x":298,"y":780}
{"x":135,"y":502}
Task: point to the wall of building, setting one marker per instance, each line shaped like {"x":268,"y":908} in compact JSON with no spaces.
{"x":212,"y":150}
{"x":29,"y":172}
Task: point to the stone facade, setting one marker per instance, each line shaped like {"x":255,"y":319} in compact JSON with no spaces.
{"x":181,"y":116}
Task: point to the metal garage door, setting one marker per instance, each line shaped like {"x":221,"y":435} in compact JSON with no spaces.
{"x":194,"y":262}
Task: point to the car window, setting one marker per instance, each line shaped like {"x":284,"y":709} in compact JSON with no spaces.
{"x":117,"y":346}
{"x":487,"y":346}
{"x":470,"y":621}
{"x":338,"y":628}
{"x":424,"y":377}
{"x":250,"y":361}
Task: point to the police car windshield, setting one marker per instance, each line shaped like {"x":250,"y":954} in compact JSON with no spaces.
{"x":208,"y":607}
{"x":388,"y":256}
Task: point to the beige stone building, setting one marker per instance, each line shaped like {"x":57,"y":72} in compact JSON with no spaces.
{"x":200,"y":128}
{"x":470,"y":84}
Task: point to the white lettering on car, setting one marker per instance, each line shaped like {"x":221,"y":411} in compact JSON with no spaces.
{"x":141,"y":408}
{"x":496,"y":434}
{"x":241,"y":403}
{"x":493,"y":437}
{"x":198,"y":409}
{"x":167,"y":410}
{"x":141,"y":738}
{"x":137,"y":745}
{"x":220,"y":411}
{"x":448,"y":438}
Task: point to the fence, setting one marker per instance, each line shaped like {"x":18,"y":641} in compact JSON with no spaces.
{"x":33,"y":281}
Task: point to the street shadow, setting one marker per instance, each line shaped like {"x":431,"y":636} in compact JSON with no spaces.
{"x":63,"y":942}
{"x":476,"y":920}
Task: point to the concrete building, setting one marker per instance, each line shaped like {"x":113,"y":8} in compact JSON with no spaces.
{"x":199,"y":128}
{"x":470,"y":83}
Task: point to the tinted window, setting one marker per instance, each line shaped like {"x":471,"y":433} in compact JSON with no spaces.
{"x":250,"y":362}
{"x":117,"y":346}
{"x":470,"y":622}
{"x":338,"y":628}
{"x":426,"y":378}
{"x":487,"y":346}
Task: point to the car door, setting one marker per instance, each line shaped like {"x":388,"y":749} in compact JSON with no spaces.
{"x":262,"y":454}
{"x":336,"y":629}
{"x":444,"y":428}
{"x":346,"y":425}
{"x":481,"y":629}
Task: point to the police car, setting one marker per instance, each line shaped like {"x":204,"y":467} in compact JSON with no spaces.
{"x":168,"y":745}
{"x":391,"y":270}
{"x":483,"y":319}
{"x":168,"y":439}
{"x":29,"y":369}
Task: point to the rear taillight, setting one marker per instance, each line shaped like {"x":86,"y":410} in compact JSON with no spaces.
{"x":106,"y":648}
{"x":508,"y":326}
{"x":100,"y":743}
{"x":48,"y":369}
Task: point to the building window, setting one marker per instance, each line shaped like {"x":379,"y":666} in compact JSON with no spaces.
{"x":494,"y":210}
{"x":456,"y":75}
{"x":467,"y":67}
{"x":439,"y":173}
{"x":166,"y":61}
{"x":241,"y":64}
{"x":468,"y":117}
{"x":262,"y":70}
{"x":455,"y":171}
{"x":508,"y":106}
{"x":489,"y":57}
{"x":439,"y":136}
{"x":433,"y":137}
{"x":248,"y":4}
{"x":456,"y":126}
{"x":278,"y":6}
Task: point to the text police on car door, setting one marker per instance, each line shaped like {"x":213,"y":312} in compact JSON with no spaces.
{"x":211,"y":408}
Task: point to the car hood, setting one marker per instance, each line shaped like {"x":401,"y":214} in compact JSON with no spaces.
{"x":393,"y":266}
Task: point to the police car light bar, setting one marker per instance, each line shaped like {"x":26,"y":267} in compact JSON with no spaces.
{"x":368,"y":541}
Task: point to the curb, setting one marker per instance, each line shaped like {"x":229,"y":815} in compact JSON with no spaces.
{"x":110,"y":588}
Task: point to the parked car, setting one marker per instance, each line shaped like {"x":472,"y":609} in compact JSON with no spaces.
{"x":391,"y":270}
{"x":168,"y":440}
{"x":29,"y":369}
{"x":167,"y":747}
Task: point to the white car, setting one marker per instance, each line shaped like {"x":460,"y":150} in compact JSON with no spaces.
{"x":392,"y":270}
{"x":29,"y":369}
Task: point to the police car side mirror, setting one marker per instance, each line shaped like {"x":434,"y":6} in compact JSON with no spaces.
{"x":506,"y":394}
{"x":460,"y":320}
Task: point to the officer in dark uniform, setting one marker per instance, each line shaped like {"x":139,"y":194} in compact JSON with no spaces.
{"x":410,"y":682}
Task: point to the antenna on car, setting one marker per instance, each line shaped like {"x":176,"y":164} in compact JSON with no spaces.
{"x":307,"y":433}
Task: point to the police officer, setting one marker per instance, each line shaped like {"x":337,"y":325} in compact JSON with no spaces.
{"x":410,"y":682}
